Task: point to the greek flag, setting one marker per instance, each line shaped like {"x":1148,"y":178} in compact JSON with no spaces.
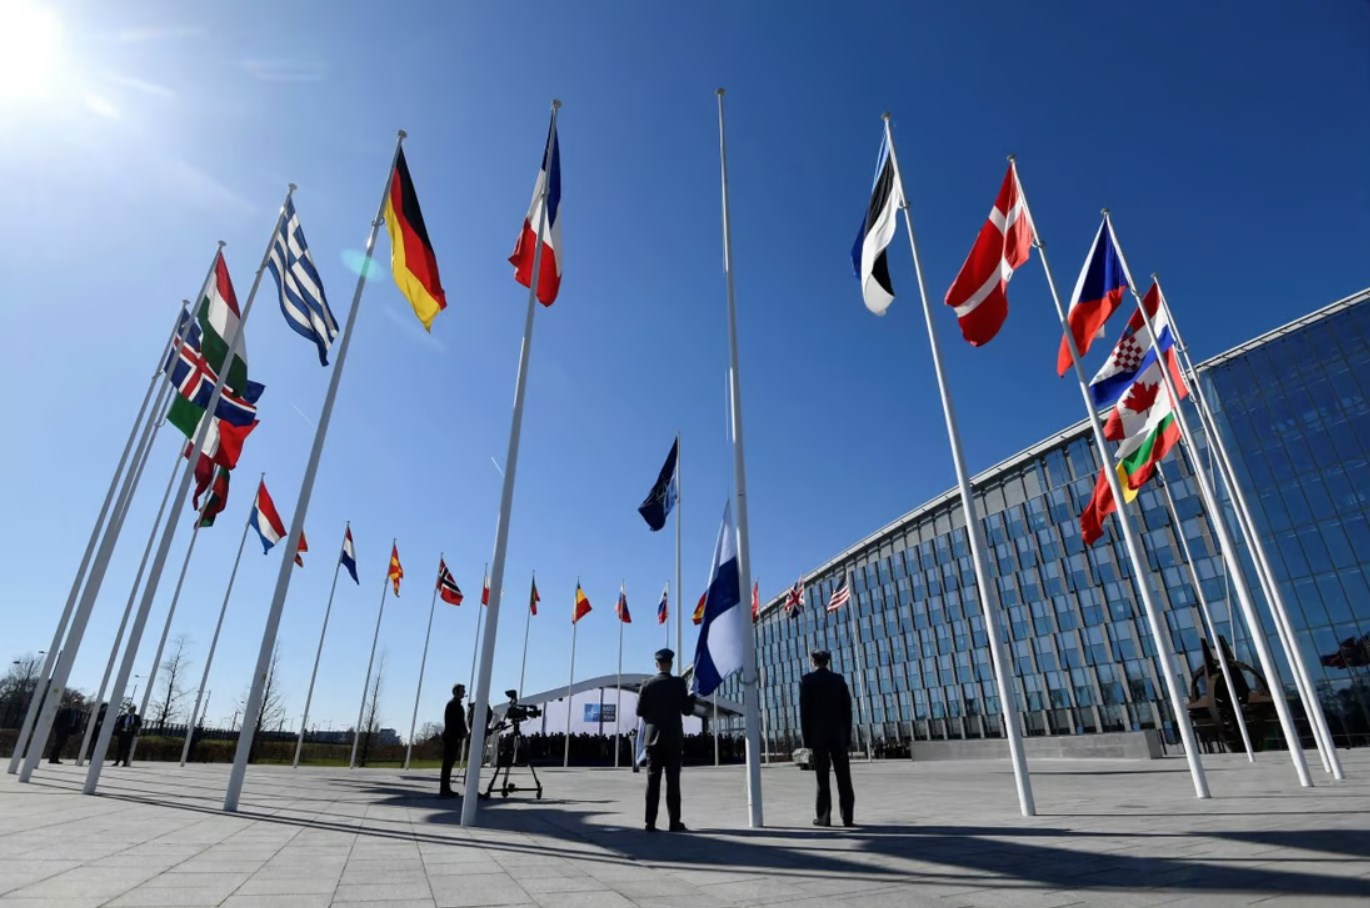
{"x":302,"y":300}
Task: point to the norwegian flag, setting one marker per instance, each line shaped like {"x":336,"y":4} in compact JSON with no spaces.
{"x":980,"y":292}
{"x":794,"y":602}
{"x":447,"y":585}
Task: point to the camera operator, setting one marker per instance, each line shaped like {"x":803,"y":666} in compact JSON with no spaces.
{"x":453,"y":733}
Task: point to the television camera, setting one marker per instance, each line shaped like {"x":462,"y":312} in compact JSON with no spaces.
{"x":507,"y":748}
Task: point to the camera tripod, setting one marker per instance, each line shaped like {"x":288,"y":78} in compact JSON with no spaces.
{"x":505,"y":759}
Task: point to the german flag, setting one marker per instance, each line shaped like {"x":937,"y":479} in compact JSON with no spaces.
{"x":411,"y":253}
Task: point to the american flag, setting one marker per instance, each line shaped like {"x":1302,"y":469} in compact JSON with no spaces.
{"x":794,"y":603}
{"x":839,"y":596}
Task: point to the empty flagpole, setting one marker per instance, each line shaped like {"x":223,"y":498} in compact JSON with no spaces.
{"x":61,"y":671}
{"x":750,"y":695}
{"x":1141,"y":571}
{"x":570,"y":680}
{"x":423,"y":663}
{"x":859,"y":654}
{"x":154,"y":395}
{"x":475,"y":649}
{"x":375,"y":636}
{"x":527,"y":624}
{"x":618,"y":677}
{"x":1204,"y":610}
{"x":253,"y":707}
{"x":318,"y":653}
{"x":506,"y":504}
{"x":1225,"y":545}
{"x":159,"y":562}
{"x":219,"y":626}
{"x":679,"y":618}
{"x":989,"y":600}
{"x":1274,"y":597}
{"x":145,"y":450}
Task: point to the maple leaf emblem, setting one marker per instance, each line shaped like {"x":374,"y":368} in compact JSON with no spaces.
{"x":1142,"y":396}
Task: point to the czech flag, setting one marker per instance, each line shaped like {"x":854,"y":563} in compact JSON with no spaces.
{"x":1098,"y":294}
{"x":525,"y":249}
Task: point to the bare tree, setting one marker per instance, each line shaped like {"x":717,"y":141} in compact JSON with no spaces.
{"x":370,"y":719}
{"x":173,"y":670}
{"x":273,"y":703}
{"x":17,"y":687}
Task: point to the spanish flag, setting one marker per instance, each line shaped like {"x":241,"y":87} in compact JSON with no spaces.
{"x":582,"y":604}
{"x":396,"y":573}
{"x":411,"y":253}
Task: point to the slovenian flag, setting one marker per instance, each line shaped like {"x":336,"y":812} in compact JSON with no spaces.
{"x":722,"y":635}
{"x":348,"y":559}
{"x":526,"y":248}
{"x":1098,"y":293}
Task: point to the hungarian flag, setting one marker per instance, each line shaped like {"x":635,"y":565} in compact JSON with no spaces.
{"x":447,"y":586}
{"x":218,"y":317}
{"x":396,"y":570}
{"x":756,"y":602}
{"x":582,"y":606}
{"x":698,"y":616}
{"x":980,"y":292}
{"x":1125,"y":363}
{"x":218,"y":498}
{"x":663,"y":607}
{"x":877,"y":230}
{"x":547,"y":216}
{"x":1098,"y":293}
{"x":621,"y":609}
{"x":411,"y":253}
{"x":533,"y":598}
{"x":301,"y":548}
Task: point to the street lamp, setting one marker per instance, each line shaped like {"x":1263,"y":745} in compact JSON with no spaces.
{"x":134,"y":696}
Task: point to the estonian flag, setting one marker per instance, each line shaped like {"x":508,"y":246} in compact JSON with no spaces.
{"x":663,"y":496}
{"x":722,"y":635}
{"x":877,"y":230}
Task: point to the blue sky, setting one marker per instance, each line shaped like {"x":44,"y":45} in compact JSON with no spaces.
{"x":1229,"y":140}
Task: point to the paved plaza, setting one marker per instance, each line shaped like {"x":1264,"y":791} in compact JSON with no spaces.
{"x":1109,"y":833}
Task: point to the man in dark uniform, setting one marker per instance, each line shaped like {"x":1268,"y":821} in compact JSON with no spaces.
{"x":95,"y":733}
{"x":661,"y":703}
{"x":453,"y":733}
{"x":125,"y":729}
{"x":825,"y":722}
{"x":68,"y":722}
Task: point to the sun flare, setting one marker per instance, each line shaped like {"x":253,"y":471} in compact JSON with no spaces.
{"x":30,"y":50}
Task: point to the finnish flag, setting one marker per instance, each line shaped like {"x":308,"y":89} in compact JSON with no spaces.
{"x":722,"y":635}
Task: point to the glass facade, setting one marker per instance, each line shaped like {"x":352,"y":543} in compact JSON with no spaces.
{"x":1294,"y":410}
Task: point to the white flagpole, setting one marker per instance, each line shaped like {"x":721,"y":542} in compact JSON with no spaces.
{"x":318,"y":653}
{"x":767,"y":722}
{"x":988,"y":593}
{"x":252,"y":708}
{"x":1229,"y":552}
{"x":219,"y":626}
{"x":571,"y":679}
{"x":137,"y":582}
{"x":506,"y":504}
{"x":81,"y":617}
{"x":1203,"y":608}
{"x":139,"y":430}
{"x":527,"y":623}
{"x":423,"y":664}
{"x":859,"y":654}
{"x":679,"y":618}
{"x":1274,"y":597}
{"x":475,"y":649}
{"x":366,"y":685}
{"x":750,"y":694}
{"x":1140,"y":569}
{"x":618,"y":679}
{"x":159,"y":562}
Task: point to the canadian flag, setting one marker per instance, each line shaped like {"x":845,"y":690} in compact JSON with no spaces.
{"x":980,"y":292}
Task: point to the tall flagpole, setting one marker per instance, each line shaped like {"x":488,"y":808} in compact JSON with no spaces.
{"x":139,"y":430}
{"x":679,"y":618}
{"x":133,"y":590}
{"x":859,"y":654}
{"x":527,"y":623}
{"x":252,"y":708}
{"x":423,"y":663}
{"x":318,"y":653}
{"x":1203,"y":608}
{"x":1274,"y":597}
{"x":219,"y":626}
{"x":506,"y":504}
{"x":61,"y":672}
{"x":750,"y":695}
{"x":159,"y":562}
{"x":570,"y":680}
{"x":475,"y":649}
{"x":1140,"y":569}
{"x":366,"y":686}
{"x":975,"y":532}
{"x":1229,"y":551}
{"x":618,"y":677}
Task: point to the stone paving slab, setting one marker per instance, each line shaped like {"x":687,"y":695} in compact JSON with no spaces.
{"x":1109,"y":833}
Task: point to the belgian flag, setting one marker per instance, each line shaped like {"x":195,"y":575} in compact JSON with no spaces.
{"x":411,"y":252}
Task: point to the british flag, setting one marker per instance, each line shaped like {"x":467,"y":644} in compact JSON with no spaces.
{"x":794,"y":602}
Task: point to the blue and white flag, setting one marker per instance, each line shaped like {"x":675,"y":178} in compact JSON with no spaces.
{"x":302,"y":300}
{"x":723,"y":634}
{"x":349,"y":556}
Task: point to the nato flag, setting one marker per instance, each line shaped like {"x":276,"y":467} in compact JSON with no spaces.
{"x":663,"y":496}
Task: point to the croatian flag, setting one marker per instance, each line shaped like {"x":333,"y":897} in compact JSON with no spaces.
{"x":265,"y":520}
{"x":1125,"y":363}
{"x":722,"y":636}
{"x":1098,"y":293}
{"x":349,"y":556}
{"x":525,"y":250}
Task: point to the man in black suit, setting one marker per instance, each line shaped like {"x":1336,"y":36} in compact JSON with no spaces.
{"x":68,"y":722}
{"x":126,"y":729}
{"x":453,"y":733}
{"x":661,"y":703}
{"x":825,"y":722}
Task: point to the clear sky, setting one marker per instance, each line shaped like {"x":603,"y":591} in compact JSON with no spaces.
{"x":1230,"y":140}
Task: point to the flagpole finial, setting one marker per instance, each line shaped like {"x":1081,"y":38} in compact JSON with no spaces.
{"x":290,"y":188}
{"x":1104,"y":212}
{"x":222,"y":244}
{"x":720,"y":91}
{"x":1155,"y":276}
{"x":402,"y":134}
{"x":1012,"y":157}
{"x":556,"y":104}
{"x":885,"y":116}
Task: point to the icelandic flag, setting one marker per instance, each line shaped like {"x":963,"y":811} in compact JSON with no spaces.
{"x":1125,"y":362}
{"x":525,"y":249}
{"x":723,"y":634}
{"x":663,"y":607}
{"x":265,"y":520}
{"x":348,"y":559}
{"x":1098,"y":293}
{"x":662,"y":498}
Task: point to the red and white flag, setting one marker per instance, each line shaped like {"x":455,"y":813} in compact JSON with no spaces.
{"x":980,"y":292}
{"x":548,"y":184}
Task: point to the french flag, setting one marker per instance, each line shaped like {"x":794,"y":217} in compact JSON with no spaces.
{"x":548,"y":185}
{"x":1098,"y":294}
{"x":722,"y":636}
